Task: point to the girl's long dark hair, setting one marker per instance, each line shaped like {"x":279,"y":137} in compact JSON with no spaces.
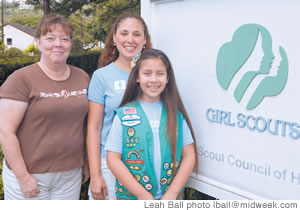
{"x":170,"y":98}
{"x":110,"y":52}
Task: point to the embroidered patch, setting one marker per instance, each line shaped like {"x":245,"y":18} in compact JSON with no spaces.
{"x":133,"y":152}
{"x":169,"y":172}
{"x":129,"y":110}
{"x":131,"y":120}
{"x":163,"y":181}
{"x":148,"y":186}
{"x":146,"y":179}
{"x":132,"y":141}
{"x":130,"y":132}
{"x":166,"y":166}
{"x":120,"y":191}
{"x":134,"y":167}
{"x":137,"y":177}
{"x":134,"y":162}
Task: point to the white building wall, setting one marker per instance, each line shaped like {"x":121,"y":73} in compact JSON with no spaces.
{"x":236,"y":161}
{"x":20,"y":39}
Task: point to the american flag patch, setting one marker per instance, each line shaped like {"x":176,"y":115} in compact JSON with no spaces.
{"x":129,"y":110}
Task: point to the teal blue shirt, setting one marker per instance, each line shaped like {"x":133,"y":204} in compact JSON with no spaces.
{"x":107,"y":87}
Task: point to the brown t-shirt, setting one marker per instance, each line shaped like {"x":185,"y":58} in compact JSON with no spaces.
{"x":52,"y":132}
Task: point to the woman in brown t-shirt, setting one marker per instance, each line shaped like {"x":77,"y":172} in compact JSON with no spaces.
{"x":43,"y":108}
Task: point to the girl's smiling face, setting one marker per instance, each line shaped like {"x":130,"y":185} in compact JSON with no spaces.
{"x":153,"y":79}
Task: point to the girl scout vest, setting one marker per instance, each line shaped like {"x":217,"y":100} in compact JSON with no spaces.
{"x":138,"y":149}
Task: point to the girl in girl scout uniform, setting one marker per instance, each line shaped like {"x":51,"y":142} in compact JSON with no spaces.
{"x":151,"y":146}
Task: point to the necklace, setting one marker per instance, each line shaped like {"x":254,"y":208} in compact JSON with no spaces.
{"x":56,"y":75}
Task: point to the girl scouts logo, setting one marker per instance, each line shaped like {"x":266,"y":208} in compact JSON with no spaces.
{"x":234,"y":54}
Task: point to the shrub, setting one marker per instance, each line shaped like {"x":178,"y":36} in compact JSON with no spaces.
{"x":32,"y":49}
{"x":9,"y":65}
{"x":13,"y":52}
{"x":87,"y":61}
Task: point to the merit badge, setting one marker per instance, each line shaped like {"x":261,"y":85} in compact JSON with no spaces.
{"x":177,"y":164}
{"x":134,"y":167}
{"x":120,"y":191}
{"x":163,"y":181}
{"x":166,"y":166}
{"x":141,"y":150}
{"x":137,"y":177}
{"x":148,"y":186}
{"x":146,"y":179}
{"x":133,"y":153}
{"x":169,"y":172}
{"x":130,"y":132}
{"x":171,"y":165}
{"x":169,"y":180}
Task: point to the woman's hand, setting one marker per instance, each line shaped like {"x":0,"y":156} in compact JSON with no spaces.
{"x":28,"y":186}
{"x":98,"y":188}
{"x":85,"y":172}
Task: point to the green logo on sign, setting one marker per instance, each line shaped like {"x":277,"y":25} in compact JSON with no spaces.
{"x":233,"y":55}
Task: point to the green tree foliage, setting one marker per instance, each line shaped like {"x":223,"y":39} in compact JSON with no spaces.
{"x":25,"y":17}
{"x":97,"y":15}
{"x":82,"y":35}
{"x":107,"y":12}
{"x":13,"y":52}
{"x":27,"y":20}
{"x":64,"y":7}
{"x":2,"y":47}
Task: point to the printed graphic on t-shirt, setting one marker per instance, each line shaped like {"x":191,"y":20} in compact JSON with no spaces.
{"x":154,"y":124}
{"x":63,"y":93}
{"x":120,"y":85}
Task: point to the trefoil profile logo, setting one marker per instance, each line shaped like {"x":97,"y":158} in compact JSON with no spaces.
{"x":233,"y":55}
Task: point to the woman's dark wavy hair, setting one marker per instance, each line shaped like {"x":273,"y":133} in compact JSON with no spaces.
{"x":110,"y":53}
{"x":170,"y":97}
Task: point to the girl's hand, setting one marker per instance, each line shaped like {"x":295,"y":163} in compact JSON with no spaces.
{"x":145,"y":196}
{"x":98,"y":188}
{"x":169,"y":196}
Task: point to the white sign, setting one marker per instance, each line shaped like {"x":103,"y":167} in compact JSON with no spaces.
{"x":237,"y":68}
